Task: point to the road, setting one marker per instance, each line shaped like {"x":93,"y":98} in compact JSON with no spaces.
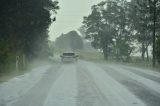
{"x":83,"y":84}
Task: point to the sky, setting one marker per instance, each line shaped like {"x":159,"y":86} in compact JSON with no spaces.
{"x":70,"y":16}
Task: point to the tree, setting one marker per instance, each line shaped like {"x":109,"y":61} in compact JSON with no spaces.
{"x":154,"y":6}
{"x":107,"y":22}
{"x":96,"y":30}
{"x":24,"y":27}
{"x":156,"y":29}
{"x":82,"y":31}
{"x":145,"y":23}
{"x":141,"y":21}
{"x":158,"y":49}
{"x":76,"y":41}
{"x":71,"y":40}
{"x":62,"y":42}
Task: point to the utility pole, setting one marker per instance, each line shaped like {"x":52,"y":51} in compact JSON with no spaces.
{"x":154,"y":33}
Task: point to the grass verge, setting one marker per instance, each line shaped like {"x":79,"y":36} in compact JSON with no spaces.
{"x":11,"y":73}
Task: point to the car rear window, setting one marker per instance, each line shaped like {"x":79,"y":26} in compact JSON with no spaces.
{"x":68,"y":54}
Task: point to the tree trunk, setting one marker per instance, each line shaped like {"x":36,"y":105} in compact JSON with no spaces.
{"x":104,"y":45}
{"x":143,"y":51}
{"x":105,"y":52}
{"x":105,"y":55}
{"x":17,"y":63}
{"x":147,"y":53}
{"x":154,"y":35}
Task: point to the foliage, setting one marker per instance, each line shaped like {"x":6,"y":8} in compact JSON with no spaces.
{"x":109,"y":28}
{"x":82,"y":31}
{"x":24,"y":28}
{"x":141,"y":18}
{"x":115,"y":25}
{"x":70,"y":40}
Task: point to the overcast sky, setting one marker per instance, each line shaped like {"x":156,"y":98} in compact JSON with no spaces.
{"x":70,"y":16}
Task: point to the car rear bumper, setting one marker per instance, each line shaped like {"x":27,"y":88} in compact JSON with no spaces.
{"x":68,"y":59}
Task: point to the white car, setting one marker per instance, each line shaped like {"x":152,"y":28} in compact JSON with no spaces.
{"x":69,"y":57}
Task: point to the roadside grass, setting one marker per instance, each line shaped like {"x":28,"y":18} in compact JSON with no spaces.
{"x":135,"y":61}
{"x":11,"y":72}
{"x":145,"y":65}
{"x":90,"y":56}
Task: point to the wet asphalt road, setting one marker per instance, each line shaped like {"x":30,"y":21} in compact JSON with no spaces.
{"x":90,"y":84}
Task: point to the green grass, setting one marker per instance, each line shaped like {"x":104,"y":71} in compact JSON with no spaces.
{"x":90,"y":56}
{"x":135,"y":60}
{"x":11,"y":72}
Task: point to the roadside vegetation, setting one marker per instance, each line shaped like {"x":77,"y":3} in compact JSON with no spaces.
{"x":11,"y":72}
{"x":24,"y":32}
{"x":118,"y":27}
{"x":90,"y":56}
{"x":69,"y":41}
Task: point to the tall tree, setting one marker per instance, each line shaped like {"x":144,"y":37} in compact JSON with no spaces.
{"x":154,"y":6}
{"x":109,"y":27}
{"x":97,"y":30}
{"x":141,"y":21}
{"x":145,"y":23}
{"x":24,"y":27}
{"x":155,"y":11}
{"x":71,"y":40}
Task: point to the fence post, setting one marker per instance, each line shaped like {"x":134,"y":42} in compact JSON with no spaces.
{"x":17,"y":63}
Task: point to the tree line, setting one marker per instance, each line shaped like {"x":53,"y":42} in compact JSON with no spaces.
{"x":24,"y":29}
{"x":69,"y":41}
{"x":118,"y":27}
